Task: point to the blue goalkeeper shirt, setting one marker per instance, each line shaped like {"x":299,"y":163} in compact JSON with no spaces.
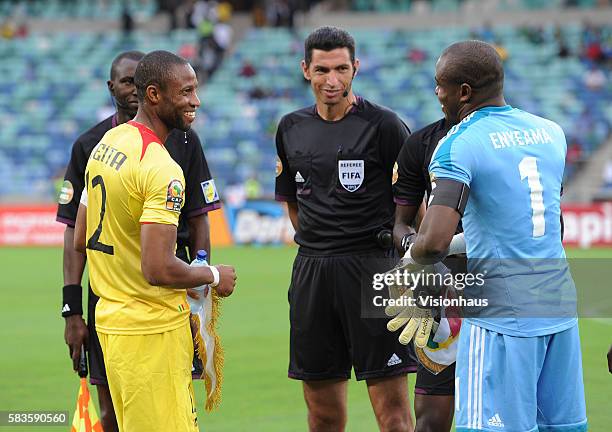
{"x":513,"y":163}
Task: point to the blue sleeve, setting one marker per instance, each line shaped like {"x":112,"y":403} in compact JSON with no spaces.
{"x":452,"y":159}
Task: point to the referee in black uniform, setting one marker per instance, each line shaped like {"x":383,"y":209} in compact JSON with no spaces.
{"x":193,"y":232}
{"x":335,"y":170}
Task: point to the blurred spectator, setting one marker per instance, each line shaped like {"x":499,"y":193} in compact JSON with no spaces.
{"x":252,"y":188}
{"x":259,"y":13}
{"x":501,"y":50}
{"x":574,"y":152}
{"x":416,"y":55}
{"x":127,"y":22}
{"x":592,"y":49}
{"x":212,"y":21}
{"x":535,"y":35}
{"x":573,"y":158}
{"x":280,"y":13}
{"x":594,"y":78}
{"x":7,"y":29}
{"x":170,"y":7}
{"x":188,"y":51}
{"x":247,"y":70}
{"x":258,"y":92}
{"x":563,"y":50}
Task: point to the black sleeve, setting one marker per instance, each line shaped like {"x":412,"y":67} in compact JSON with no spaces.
{"x":74,"y":182}
{"x":285,"y":185}
{"x":392,"y":136}
{"x":201,"y":195}
{"x":411,"y":183}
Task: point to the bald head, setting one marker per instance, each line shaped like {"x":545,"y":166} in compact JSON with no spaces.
{"x":475,"y":63}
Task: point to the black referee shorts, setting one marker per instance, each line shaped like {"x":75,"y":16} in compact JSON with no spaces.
{"x":442,"y":384}
{"x":328,"y":334}
{"x":97,"y":370}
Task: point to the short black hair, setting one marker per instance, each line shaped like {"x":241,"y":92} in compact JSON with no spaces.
{"x":476,"y":63}
{"x":132,"y":55}
{"x":155,"y":69}
{"x":328,"y":39}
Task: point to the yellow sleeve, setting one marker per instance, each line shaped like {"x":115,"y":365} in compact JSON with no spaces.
{"x":163,"y":188}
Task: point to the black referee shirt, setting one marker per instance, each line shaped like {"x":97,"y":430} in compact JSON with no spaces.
{"x":340,"y":173}
{"x":413,"y":164}
{"x":185,"y":148}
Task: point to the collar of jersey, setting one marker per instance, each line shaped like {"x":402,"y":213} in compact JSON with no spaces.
{"x":144,"y":129}
{"x":496,"y":109}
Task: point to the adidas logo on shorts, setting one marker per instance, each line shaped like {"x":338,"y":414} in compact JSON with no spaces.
{"x":66,"y":308}
{"x":394,"y":360}
{"x":299,"y":178}
{"x":496,"y":421}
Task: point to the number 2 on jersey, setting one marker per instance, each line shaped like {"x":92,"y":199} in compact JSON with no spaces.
{"x":94,"y":242}
{"x":528,"y":168}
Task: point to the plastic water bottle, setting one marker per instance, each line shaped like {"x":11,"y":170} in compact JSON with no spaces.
{"x":200,"y":261}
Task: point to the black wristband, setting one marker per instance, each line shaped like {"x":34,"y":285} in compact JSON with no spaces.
{"x":407,"y":240}
{"x":72,"y":300}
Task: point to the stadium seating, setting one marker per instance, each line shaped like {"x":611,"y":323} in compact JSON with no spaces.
{"x":61,"y":9}
{"x":387,"y":6}
{"x":237,"y":121}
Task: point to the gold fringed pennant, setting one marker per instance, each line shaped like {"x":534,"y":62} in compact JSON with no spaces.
{"x":208,"y":346}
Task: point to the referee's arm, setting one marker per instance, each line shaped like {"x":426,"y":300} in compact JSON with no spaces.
{"x":80,"y":231}
{"x":408,"y":191}
{"x":292,"y":209}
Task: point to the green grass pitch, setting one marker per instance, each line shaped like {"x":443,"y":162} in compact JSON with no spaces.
{"x":35,"y":370}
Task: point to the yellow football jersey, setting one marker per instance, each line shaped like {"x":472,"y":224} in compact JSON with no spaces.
{"x":131,"y":180}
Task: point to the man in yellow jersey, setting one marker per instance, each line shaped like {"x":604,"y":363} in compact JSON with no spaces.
{"x":134,"y":192}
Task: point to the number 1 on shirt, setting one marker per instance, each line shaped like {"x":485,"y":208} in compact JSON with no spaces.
{"x":528,"y":168}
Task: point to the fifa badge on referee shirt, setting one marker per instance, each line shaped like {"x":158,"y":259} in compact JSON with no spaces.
{"x":350,"y":174}
{"x":175,"y":196}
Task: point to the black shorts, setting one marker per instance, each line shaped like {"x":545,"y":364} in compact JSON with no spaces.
{"x":97,"y":369}
{"x":328,"y":333}
{"x":442,"y":384}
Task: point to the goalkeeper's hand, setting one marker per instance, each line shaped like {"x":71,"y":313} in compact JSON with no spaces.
{"x":417,"y":319}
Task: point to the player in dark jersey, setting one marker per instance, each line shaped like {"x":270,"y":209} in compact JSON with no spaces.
{"x":334,"y":171}
{"x":434,"y":394}
{"x":193,"y":232}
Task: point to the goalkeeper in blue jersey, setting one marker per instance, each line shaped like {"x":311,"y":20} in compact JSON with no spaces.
{"x":499,"y":170}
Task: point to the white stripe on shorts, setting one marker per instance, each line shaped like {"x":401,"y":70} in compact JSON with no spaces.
{"x":482,"y":350}
{"x":470,"y":359}
{"x":476,"y":375}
